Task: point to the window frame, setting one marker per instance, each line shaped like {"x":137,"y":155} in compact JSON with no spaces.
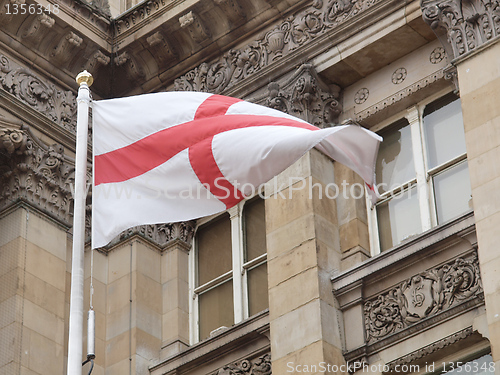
{"x":424,"y":179}
{"x":238,"y":274}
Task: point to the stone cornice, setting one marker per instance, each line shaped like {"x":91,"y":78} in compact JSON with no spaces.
{"x":462,"y":26}
{"x":282,"y":42}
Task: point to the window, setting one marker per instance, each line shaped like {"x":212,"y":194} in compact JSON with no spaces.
{"x":422,"y":173}
{"x":230,"y":263}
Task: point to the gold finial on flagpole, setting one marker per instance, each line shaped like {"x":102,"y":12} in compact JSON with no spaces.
{"x":84,"y":77}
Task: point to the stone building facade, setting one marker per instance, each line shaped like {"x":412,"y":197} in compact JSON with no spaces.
{"x":308,"y":280}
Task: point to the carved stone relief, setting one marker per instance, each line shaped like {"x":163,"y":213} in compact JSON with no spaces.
{"x":238,"y":64}
{"x":197,"y":29}
{"x":57,"y":105}
{"x":258,"y":366}
{"x":462,"y":25}
{"x":133,"y":70}
{"x":421,"y":296}
{"x":34,"y":172}
{"x":160,"y":234}
{"x":306,"y":96}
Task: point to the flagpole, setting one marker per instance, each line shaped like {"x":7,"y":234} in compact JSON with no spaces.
{"x":75,"y":340}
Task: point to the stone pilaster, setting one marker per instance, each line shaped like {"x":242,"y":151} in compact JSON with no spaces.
{"x":303,"y":252}
{"x":469,"y":31}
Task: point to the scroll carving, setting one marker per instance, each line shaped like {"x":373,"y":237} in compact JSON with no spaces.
{"x":160,"y":234}
{"x":306,"y":96}
{"x":462,"y":25}
{"x":258,"y":366}
{"x":34,"y":172}
{"x":197,"y":29}
{"x":133,"y":70}
{"x":57,"y":105}
{"x":238,"y":64}
{"x":421,"y":296}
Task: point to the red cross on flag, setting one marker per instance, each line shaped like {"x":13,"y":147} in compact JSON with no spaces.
{"x":177,"y":156}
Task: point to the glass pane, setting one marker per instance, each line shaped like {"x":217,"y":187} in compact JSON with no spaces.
{"x":216,"y":308}
{"x":214,"y":249}
{"x":398,"y":219}
{"x":453,"y":192}
{"x":444,"y":131}
{"x":480,"y":366}
{"x":257,"y":289}
{"x":255,"y":229}
{"x":395,"y":158}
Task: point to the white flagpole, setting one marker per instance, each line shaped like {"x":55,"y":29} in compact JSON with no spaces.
{"x":75,"y":340}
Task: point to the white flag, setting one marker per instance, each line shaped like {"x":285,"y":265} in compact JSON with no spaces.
{"x":177,"y":156}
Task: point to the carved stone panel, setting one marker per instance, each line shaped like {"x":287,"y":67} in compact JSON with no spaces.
{"x":39,"y":174}
{"x":302,"y":28}
{"x":306,"y":96}
{"x":57,"y":105}
{"x":424,"y":295}
{"x":258,"y":366}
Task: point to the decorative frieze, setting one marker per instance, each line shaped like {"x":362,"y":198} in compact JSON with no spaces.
{"x":238,"y":64}
{"x":160,"y":234}
{"x":57,"y":105}
{"x":462,"y":25}
{"x":422,"y":296}
{"x":140,"y":13}
{"x":400,"y":95}
{"x":306,"y":96}
{"x":258,"y":366}
{"x":39,"y":174}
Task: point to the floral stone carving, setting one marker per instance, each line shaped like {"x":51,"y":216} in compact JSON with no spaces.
{"x":258,"y":366}
{"x":306,"y":96}
{"x":462,"y":25}
{"x":238,"y":64}
{"x":57,"y":105}
{"x":36,"y":173}
{"x":422,"y":296}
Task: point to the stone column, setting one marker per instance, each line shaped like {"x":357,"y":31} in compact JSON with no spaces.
{"x":134,"y":307}
{"x":32,"y":293}
{"x":469,"y":31}
{"x":303,"y":252}
{"x":175,"y":289}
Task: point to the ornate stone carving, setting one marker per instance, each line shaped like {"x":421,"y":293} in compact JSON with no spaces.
{"x":429,"y":349}
{"x":143,"y":11}
{"x":101,"y":5}
{"x":399,"y":76}
{"x":462,"y":25}
{"x":160,"y":234}
{"x":306,"y":96}
{"x":197,"y":29}
{"x":437,"y":55}
{"x":238,"y":64}
{"x":64,"y":49}
{"x":421,"y":296}
{"x":258,"y":366}
{"x":407,"y":91}
{"x":361,"y":95}
{"x":34,"y":172}
{"x":133,"y":69}
{"x":57,"y":105}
